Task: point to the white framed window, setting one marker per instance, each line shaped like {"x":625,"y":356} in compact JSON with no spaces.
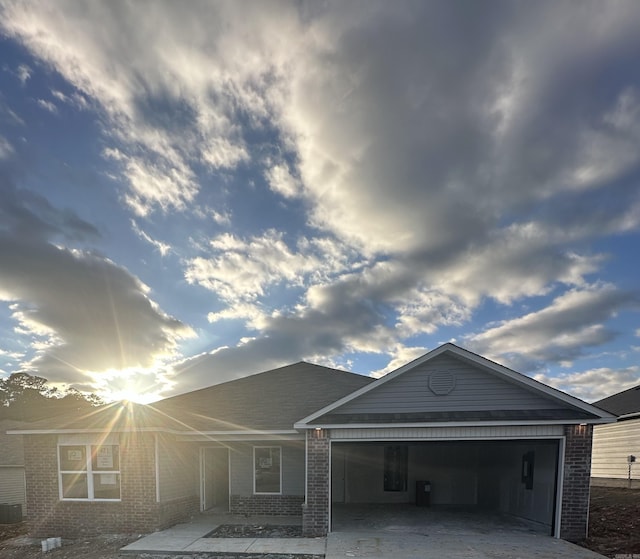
{"x":89,"y":472}
{"x":267,"y":469}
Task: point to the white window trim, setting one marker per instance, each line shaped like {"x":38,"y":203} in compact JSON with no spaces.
{"x":88,"y":472}
{"x":253,"y":468}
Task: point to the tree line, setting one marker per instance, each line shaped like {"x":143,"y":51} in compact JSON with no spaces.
{"x":27,"y":397}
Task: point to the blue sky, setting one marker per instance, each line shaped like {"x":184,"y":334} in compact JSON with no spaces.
{"x":190,"y":193}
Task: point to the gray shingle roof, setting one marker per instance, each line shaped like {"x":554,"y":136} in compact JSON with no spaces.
{"x":268,"y":401}
{"x":622,"y":403}
{"x":273,"y":400}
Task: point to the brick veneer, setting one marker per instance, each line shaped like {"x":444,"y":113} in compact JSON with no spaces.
{"x":267,"y":505}
{"x":575,"y":489}
{"x":315,"y":511}
{"x":137,"y":511}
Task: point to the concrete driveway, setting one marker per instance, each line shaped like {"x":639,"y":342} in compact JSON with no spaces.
{"x":404,"y":532}
{"x":402,"y":545}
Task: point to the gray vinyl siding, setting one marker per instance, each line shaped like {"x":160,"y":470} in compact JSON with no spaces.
{"x":12,"y":486}
{"x":292,"y":461}
{"x":612,"y":444}
{"x":475,"y":390}
{"x":178,"y":467}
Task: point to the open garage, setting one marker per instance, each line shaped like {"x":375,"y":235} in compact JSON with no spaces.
{"x":499,"y":479}
{"x":452,"y":433}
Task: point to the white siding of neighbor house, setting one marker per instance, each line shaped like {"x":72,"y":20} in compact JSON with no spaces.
{"x":612,"y":444}
{"x":292,"y":463}
{"x":450,"y":433}
{"x":12,"y":486}
{"x":475,"y":389}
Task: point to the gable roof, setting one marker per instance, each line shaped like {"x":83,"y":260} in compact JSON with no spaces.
{"x":623,"y":403}
{"x":563,"y":408}
{"x":270,"y":401}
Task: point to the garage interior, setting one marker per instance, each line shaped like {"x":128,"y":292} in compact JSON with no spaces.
{"x":487,"y":482}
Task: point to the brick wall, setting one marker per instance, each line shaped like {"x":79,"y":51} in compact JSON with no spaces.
{"x":177,"y":510}
{"x":315,"y":512}
{"x":267,"y":505}
{"x":137,"y":511}
{"x":575,"y":490}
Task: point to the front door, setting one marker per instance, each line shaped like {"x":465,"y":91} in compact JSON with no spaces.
{"x":214,"y":478}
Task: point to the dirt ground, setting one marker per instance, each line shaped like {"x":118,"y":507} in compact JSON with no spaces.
{"x":614,"y":529}
{"x":614,"y":521}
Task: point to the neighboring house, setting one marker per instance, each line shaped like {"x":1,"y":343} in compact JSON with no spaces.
{"x":304,"y":439}
{"x":12,"y":483}
{"x":616,"y":445}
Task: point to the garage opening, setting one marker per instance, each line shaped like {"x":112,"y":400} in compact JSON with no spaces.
{"x":497,"y":481}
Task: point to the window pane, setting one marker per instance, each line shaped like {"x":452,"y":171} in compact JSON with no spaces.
{"x":267,"y":470}
{"x":105,"y":457}
{"x":74,"y":486}
{"x":106,"y":486}
{"x":73,"y":458}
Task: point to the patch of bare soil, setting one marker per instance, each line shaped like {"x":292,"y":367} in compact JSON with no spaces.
{"x":614,"y":521}
{"x":16,"y":544}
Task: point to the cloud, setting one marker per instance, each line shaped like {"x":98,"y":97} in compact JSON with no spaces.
{"x":48,"y":106}
{"x":243,"y":269}
{"x":594,"y":384}
{"x":79,"y":312}
{"x":162,"y":248}
{"x":24,"y":73}
{"x":558,"y":333}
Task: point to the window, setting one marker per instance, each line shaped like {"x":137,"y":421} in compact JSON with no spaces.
{"x":267,"y":470}
{"x":89,"y":472}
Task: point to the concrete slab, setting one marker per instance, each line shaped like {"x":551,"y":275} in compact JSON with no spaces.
{"x":387,"y":545}
{"x":302,"y":546}
{"x":158,"y":542}
{"x":220,"y":545}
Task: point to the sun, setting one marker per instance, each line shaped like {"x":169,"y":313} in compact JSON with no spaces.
{"x":136,"y":385}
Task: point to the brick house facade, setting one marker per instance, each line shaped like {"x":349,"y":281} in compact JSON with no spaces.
{"x":241,"y":446}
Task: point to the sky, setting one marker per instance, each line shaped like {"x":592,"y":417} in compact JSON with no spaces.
{"x":193,"y":192}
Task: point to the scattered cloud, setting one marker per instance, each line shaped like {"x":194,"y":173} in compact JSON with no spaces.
{"x":48,"y":106}
{"x":594,"y":384}
{"x":559,"y":333}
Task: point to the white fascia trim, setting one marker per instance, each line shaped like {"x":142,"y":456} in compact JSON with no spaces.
{"x":486,"y":364}
{"x":234,"y":433}
{"x":150,"y":430}
{"x":448,"y":424}
{"x":235,"y":438}
{"x":82,"y":431}
{"x":624,"y":416}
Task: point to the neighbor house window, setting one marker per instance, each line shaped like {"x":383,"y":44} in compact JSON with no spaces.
{"x":267,"y":471}
{"x":89,"y":472}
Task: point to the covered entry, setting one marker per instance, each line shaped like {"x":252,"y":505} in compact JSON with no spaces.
{"x":510,"y":478}
{"x":214,"y":478}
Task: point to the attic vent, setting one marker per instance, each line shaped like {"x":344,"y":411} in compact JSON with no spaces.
{"x":442,"y":383}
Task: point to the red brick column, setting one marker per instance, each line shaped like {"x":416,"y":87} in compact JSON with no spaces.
{"x":315,"y":511}
{"x":575,"y":488}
